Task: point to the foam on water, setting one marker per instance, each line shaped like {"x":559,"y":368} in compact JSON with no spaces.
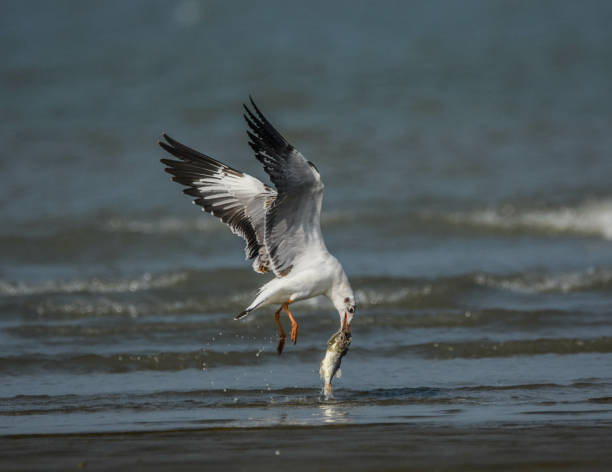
{"x":574,"y":281}
{"x":147,"y":281}
{"x":593,"y":218}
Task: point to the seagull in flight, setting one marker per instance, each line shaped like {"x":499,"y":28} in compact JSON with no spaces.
{"x":280,"y":224}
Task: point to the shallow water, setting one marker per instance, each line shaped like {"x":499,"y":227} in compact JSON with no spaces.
{"x":466,"y":156}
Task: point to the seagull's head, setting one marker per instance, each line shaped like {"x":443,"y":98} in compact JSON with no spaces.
{"x":344,"y":301}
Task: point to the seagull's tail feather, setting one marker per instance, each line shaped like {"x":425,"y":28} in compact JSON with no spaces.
{"x":242,"y":315}
{"x":249,"y":309}
{"x":261,"y":299}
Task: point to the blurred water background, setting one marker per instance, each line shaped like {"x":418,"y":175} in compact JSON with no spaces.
{"x":466,"y":151}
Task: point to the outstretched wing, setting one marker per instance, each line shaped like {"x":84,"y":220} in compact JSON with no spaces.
{"x":292,"y":224}
{"x":238,"y":199}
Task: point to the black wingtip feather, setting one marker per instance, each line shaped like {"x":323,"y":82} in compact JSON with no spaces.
{"x":264,"y":138}
{"x":169,"y":139}
{"x":168,"y":162}
{"x":166,"y":147}
{"x":255,"y":106}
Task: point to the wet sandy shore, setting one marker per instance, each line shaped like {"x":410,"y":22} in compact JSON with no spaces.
{"x":551,"y":447}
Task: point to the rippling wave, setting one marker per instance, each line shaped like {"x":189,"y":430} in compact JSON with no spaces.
{"x":590,"y":218}
{"x":221,"y":357}
{"x":24,"y":405}
{"x":183,"y":292}
{"x":147,"y":281}
{"x":125,"y":362}
{"x":377,"y":291}
{"x":575,"y":281}
{"x":485,"y":348}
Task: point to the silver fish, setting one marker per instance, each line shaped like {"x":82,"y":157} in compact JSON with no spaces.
{"x":337,"y":347}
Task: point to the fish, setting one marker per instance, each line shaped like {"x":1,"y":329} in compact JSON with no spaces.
{"x":337,"y":347}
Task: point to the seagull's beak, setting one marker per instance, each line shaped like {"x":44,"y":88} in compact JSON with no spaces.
{"x":345,"y":324}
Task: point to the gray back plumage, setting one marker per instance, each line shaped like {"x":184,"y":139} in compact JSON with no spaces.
{"x":292,"y":224}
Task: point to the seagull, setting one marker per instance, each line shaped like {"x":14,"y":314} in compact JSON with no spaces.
{"x":281,"y":225}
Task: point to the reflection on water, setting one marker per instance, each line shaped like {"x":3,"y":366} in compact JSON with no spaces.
{"x":334,"y":412}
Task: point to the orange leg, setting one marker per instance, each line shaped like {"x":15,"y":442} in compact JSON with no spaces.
{"x":282,"y":336}
{"x":294,"y":325}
